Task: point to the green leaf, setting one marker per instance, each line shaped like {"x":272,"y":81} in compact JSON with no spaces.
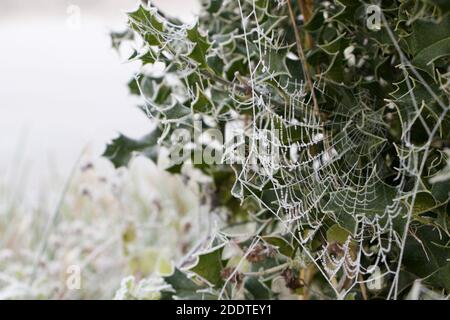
{"x":117,"y":38}
{"x":350,"y":296}
{"x":180,"y":282}
{"x":271,"y":22}
{"x":185,"y":288}
{"x":144,"y":18}
{"x":444,"y":5}
{"x":213,"y":6}
{"x":133,"y":87}
{"x":175,"y":111}
{"x":375,"y":206}
{"x":201,"y":103}
{"x":426,"y":33}
{"x":216,"y":64}
{"x":237,"y":64}
{"x":209,"y":266}
{"x":201,"y":46}
{"x":148,"y":57}
{"x":121,"y":149}
{"x":283,"y":246}
{"x":337,"y":234}
{"x":315,"y":22}
{"x":275,"y":62}
{"x":426,"y":57}
{"x":257,"y":290}
{"x":429,"y":258}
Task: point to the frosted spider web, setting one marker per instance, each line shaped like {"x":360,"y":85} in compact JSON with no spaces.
{"x":318,"y":177}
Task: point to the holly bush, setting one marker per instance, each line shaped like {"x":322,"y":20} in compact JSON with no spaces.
{"x":334,"y":184}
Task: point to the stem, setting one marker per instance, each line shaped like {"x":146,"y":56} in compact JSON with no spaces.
{"x":307,"y":76}
{"x":362,"y":286}
{"x":307,"y":275}
{"x":301,"y":55}
{"x":268,"y":271}
{"x":306,"y":7}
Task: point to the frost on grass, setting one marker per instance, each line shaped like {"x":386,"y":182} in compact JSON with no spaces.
{"x":111,"y":225}
{"x":342,"y":188}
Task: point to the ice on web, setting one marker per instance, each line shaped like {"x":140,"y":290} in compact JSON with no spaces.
{"x":321,"y":172}
{"x":316,"y":177}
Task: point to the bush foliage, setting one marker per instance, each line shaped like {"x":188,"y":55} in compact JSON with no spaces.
{"x":350,"y":198}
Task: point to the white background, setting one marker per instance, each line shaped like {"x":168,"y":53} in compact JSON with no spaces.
{"x":64,"y":88}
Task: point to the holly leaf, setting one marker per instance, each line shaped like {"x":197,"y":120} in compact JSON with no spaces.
{"x":425,"y":58}
{"x":444,"y":5}
{"x":429,"y":41}
{"x":283,"y":246}
{"x":201,"y":103}
{"x":337,"y":234}
{"x":427,"y":255}
{"x":121,"y":149}
{"x":209,"y":266}
{"x":257,"y":290}
{"x":185,"y":288}
{"x":144,"y":19}
{"x":201,"y":46}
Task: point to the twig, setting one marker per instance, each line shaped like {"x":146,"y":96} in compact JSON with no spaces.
{"x":307,"y":275}
{"x":363,"y":288}
{"x":301,"y":54}
{"x":307,"y":76}
{"x":306,"y":7}
{"x":268,"y":271}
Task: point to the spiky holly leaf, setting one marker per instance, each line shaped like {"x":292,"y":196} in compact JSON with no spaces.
{"x":121,"y":149}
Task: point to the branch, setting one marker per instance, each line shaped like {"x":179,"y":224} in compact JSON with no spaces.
{"x":301,"y":55}
{"x":306,"y":7}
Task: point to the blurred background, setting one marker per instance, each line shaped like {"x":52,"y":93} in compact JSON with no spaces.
{"x":62,"y":86}
{"x":63,"y":96}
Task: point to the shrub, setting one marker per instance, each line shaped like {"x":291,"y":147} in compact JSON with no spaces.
{"x":335,"y":183}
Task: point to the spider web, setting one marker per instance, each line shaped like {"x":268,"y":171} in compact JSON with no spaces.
{"x":319,"y":172}
{"x":338,"y":168}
